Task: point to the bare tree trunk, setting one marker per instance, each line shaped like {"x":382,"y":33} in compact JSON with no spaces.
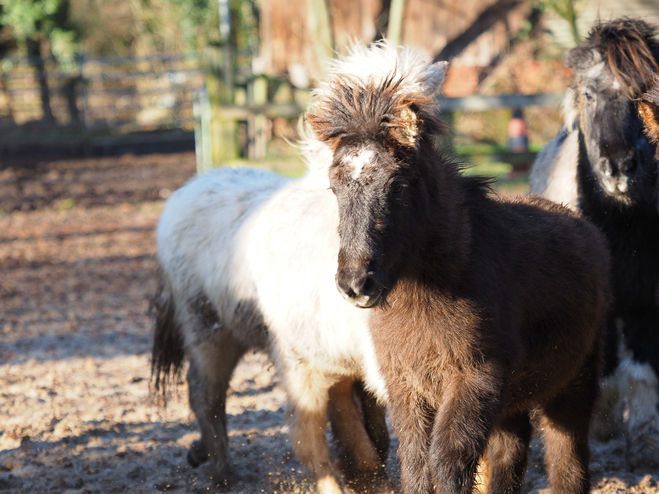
{"x":10,"y":108}
{"x":34,"y":52}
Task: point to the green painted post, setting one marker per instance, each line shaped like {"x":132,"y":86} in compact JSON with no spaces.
{"x":219,"y":83}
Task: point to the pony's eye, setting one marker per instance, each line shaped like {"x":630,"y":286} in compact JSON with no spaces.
{"x":588,"y":96}
{"x":398,"y":188}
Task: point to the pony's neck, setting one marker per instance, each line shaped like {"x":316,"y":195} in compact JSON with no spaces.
{"x":448,"y":237}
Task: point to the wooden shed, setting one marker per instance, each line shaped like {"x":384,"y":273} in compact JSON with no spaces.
{"x":466,"y":32}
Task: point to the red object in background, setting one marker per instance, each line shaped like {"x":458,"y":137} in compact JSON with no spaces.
{"x":461,"y":81}
{"x":518,"y":141}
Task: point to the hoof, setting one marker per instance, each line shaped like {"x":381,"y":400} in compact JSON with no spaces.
{"x":328,"y":485}
{"x":224,"y":480}
{"x":197,"y":454}
{"x":378,"y":483}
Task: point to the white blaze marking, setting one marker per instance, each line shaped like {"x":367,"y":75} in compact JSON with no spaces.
{"x":358,"y":161}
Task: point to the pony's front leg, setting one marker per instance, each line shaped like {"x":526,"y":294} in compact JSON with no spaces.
{"x":638,"y":380}
{"x":471,"y":403}
{"x":641,"y":403}
{"x":375,"y":420}
{"x":307,"y":403}
{"x":412,"y":420}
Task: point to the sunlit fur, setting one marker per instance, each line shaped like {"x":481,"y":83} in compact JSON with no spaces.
{"x":486,"y":310}
{"x":248,"y":261}
{"x":602,"y":164}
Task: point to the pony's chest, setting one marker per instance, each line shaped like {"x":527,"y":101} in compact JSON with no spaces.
{"x":421,"y":346}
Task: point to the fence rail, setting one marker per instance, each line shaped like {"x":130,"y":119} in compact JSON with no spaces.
{"x":482,"y":103}
{"x":118,"y":94}
{"x":101,"y":98}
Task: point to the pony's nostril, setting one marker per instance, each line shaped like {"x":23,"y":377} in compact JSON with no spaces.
{"x":370,"y":286}
{"x":363,"y":291}
{"x":344,"y":287}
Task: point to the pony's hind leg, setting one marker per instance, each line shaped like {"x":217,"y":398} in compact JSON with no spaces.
{"x":211,"y":364}
{"x":308,"y":393}
{"x":361,"y":457}
{"x":507,"y":454}
{"x":374,"y":420}
{"x":565,"y":421}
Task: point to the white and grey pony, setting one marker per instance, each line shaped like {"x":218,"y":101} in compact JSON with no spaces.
{"x":602,"y":164}
{"x":247,"y":261}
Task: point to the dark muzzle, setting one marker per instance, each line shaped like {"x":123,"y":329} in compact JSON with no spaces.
{"x":363,"y":289}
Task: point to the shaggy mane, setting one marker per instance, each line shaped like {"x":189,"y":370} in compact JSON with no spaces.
{"x":366,"y":110}
{"x":381,"y":64}
{"x":383,"y":60}
{"x":630,"y":49}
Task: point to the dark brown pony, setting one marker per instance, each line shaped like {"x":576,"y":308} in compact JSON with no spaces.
{"x":485,"y":309}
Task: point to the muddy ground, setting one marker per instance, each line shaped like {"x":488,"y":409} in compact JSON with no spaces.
{"x":76,"y":274}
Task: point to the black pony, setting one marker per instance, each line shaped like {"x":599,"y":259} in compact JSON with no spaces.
{"x":614,"y":182}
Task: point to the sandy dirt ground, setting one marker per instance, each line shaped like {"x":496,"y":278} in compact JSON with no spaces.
{"x":76,"y":274}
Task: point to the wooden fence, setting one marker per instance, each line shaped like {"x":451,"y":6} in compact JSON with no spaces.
{"x":95,"y":96}
{"x":254,"y":113}
{"x":101,"y":98}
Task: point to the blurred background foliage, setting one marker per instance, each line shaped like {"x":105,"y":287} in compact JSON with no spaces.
{"x":65,"y":28}
{"x":68,"y":30}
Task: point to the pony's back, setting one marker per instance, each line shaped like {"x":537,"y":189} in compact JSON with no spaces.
{"x":196,"y":235}
{"x":554,"y":172}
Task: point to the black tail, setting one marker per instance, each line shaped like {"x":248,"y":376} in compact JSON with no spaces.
{"x":167,"y":354}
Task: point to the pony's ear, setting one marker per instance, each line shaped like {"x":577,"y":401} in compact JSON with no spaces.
{"x":648,"y":108}
{"x":436,"y":76}
{"x":579,"y":58}
{"x":406,"y":127}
